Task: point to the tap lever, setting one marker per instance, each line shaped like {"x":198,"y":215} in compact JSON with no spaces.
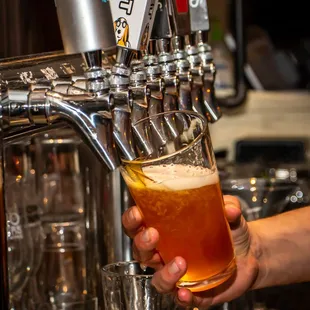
{"x":86,"y":26}
{"x":199,"y":16}
{"x":179,"y":10}
{"x":162,"y":27}
{"x":133,"y":22}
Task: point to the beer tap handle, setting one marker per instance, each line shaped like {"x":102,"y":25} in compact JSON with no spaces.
{"x":199,"y":16}
{"x":133,"y":22}
{"x":162,"y":28}
{"x":86,"y":27}
{"x":180,"y":16}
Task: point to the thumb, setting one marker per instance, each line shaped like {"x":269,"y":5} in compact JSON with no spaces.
{"x":233,"y":210}
{"x":238,"y":225}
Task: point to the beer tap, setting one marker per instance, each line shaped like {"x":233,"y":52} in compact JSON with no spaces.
{"x":181,"y":27}
{"x":155,"y":96}
{"x":161,"y":36}
{"x":153,"y":69}
{"x":133,"y":22}
{"x":139,"y":102}
{"x":202,"y":67}
{"x":139,"y":91}
{"x":88,"y":30}
{"x":200,"y":26}
{"x":162,"y":33}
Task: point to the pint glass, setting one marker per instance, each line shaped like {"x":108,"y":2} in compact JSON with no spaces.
{"x":175,"y":184}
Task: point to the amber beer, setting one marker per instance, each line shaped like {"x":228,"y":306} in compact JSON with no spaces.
{"x":184,"y":203}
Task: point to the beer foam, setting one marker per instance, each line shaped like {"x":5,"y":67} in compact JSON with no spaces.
{"x":179,"y":177}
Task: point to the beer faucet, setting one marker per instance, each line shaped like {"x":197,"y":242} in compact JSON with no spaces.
{"x":161,"y":30}
{"x":133,"y":23}
{"x":162,"y":34}
{"x":102,"y":113}
{"x":155,"y":89}
{"x":198,"y":44}
{"x":202,"y":66}
{"x":180,"y":17}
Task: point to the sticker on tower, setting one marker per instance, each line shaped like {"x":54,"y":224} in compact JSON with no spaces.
{"x":121,"y":29}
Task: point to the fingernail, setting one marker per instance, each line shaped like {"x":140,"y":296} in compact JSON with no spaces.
{"x":146,"y":236}
{"x":173,"y":268}
{"x":132,"y":216}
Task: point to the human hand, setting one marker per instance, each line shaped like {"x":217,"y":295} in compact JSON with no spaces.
{"x":166,"y":276}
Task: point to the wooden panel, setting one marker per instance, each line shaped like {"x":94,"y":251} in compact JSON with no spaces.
{"x":265,"y":114}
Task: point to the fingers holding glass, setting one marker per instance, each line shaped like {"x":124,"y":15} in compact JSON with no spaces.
{"x":132,"y":221}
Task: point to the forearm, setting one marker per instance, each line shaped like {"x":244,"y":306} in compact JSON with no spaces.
{"x":283,"y":248}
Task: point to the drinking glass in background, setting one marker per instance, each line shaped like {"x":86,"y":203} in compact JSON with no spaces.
{"x":61,"y":180}
{"x":127,"y":286}
{"x":62,"y":275}
{"x":20,"y":224}
{"x":174,"y":182}
{"x":260,"y":198}
{"x":32,"y":298}
{"x":19,"y":241}
{"x":88,"y":304}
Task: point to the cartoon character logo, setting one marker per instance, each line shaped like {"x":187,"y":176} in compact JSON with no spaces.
{"x":121,"y":29}
{"x":144,"y":39}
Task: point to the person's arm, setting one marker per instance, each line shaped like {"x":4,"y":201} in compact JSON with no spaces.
{"x":284,"y":248}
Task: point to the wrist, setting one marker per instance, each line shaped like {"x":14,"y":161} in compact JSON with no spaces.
{"x":258,"y":252}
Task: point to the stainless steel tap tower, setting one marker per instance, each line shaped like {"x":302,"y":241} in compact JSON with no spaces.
{"x":100,"y":102}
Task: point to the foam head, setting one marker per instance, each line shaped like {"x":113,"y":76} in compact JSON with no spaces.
{"x":179,"y":177}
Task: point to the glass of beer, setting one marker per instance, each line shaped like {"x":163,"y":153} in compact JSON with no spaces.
{"x":175,"y":184}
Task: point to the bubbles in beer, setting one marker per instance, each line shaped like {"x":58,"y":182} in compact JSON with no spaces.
{"x":179,"y":177}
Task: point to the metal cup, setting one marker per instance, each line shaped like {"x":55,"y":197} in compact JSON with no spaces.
{"x":126,"y":286}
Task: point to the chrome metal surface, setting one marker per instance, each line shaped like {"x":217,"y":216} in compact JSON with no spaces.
{"x":203,"y":96}
{"x":85,"y":25}
{"x":88,"y":114}
{"x":122,"y":132}
{"x":91,"y":117}
{"x":93,"y":59}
